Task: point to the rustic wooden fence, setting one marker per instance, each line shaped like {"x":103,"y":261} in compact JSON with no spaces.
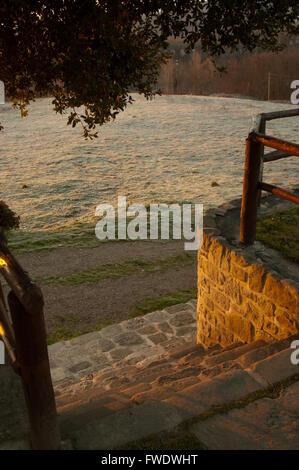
{"x":255,"y":158}
{"x":26,"y":346}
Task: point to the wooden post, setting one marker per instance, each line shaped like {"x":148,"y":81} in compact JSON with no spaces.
{"x":4,"y":319}
{"x":32,"y":356}
{"x":262,"y":129}
{"x":251,"y":190}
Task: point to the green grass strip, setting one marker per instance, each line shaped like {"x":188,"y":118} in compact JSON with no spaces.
{"x":77,"y":235}
{"x":281,"y":232}
{"x":62,"y":333}
{"x":117,"y":270}
{"x":150,"y":304}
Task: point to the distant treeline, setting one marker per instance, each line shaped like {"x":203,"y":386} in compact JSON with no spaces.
{"x":261,"y":75}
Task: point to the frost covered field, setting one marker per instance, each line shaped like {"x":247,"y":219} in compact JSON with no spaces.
{"x":168,"y":149}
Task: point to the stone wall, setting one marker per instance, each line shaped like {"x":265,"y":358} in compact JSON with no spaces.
{"x":244,"y":293}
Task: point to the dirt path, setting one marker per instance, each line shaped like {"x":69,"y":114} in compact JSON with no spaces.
{"x":63,"y":261}
{"x":90,"y":305}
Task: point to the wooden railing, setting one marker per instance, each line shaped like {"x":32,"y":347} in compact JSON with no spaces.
{"x":26,"y":346}
{"x":256,"y":141}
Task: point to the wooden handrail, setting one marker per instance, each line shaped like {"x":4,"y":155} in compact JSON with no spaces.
{"x":273,"y":142}
{"x":275,"y":155}
{"x":280,"y":114}
{"x":253,"y":170}
{"x":27,"y":347}
{"x":261,"y":118}
{"x":279,"y":192}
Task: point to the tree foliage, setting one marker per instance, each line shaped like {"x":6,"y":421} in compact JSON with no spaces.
{"x":8,"y":219}
{"x":90,"y":54}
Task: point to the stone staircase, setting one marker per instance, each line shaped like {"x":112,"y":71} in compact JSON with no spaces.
{"x":140,"y":377}
{"x":187,"y":382}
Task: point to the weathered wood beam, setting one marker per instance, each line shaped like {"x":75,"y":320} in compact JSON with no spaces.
{"x":32,"y":356}
{"x":18,"y":280}
{"x":273,"y":142}
{"x":250,"y":198}
{"x":279,"y":114}
{"x":275,"y":155}
{"x":279,"y":192}
{"x":26,"y":302}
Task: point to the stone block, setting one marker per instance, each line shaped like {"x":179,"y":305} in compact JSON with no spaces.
{"x":267,"y":307}
{"x":225,"y":262}
{"x":157,"y":338}
{"x":239,"y":273}
{"x":79,"y":367}
{"x":240,"y":326}
{"x":165,"y":327}
{"x":256,"y":277}
{"x":206,"y":242}
{"x":270,"y":328}
{"x":120,"y":353}
{"x":186,"y":331}
{"x":238,"y":258}
{"x":182,"y":319}
{"x":232,"y":289}
{"x":215,"y":252}
{"x":283,"y":294}
{"x":220,"y":299}
{"x":254,"y":315}
{"x":147,"y":330}
{"x":247,"y":293}
{"x":105,"y":345}
{"x":128,"y":339}
{"x":284,"y":320}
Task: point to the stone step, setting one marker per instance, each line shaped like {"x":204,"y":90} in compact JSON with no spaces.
{"x":159,"y":378}
{"x":276,"y":367}
{"x":210,"y":393}
{"x":185,"y":393}
{"x":172,"y":377}
{"x":261,"y":353}
{"x":196,"y":367}
{"x":219,"y":369}
{"x":232,"y":354}
{"x":134,"y":381}
{"x":113,"y":431}
{"x":186,"y":364}
{"x":264,"y":424}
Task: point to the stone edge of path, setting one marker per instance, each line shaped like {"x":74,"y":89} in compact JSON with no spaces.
{"x":137,"y":341}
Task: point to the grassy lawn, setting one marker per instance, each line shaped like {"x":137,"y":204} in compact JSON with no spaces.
{"x":80,"y":236}
{"x":77,"y":235}
{"x":281,"y":232}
